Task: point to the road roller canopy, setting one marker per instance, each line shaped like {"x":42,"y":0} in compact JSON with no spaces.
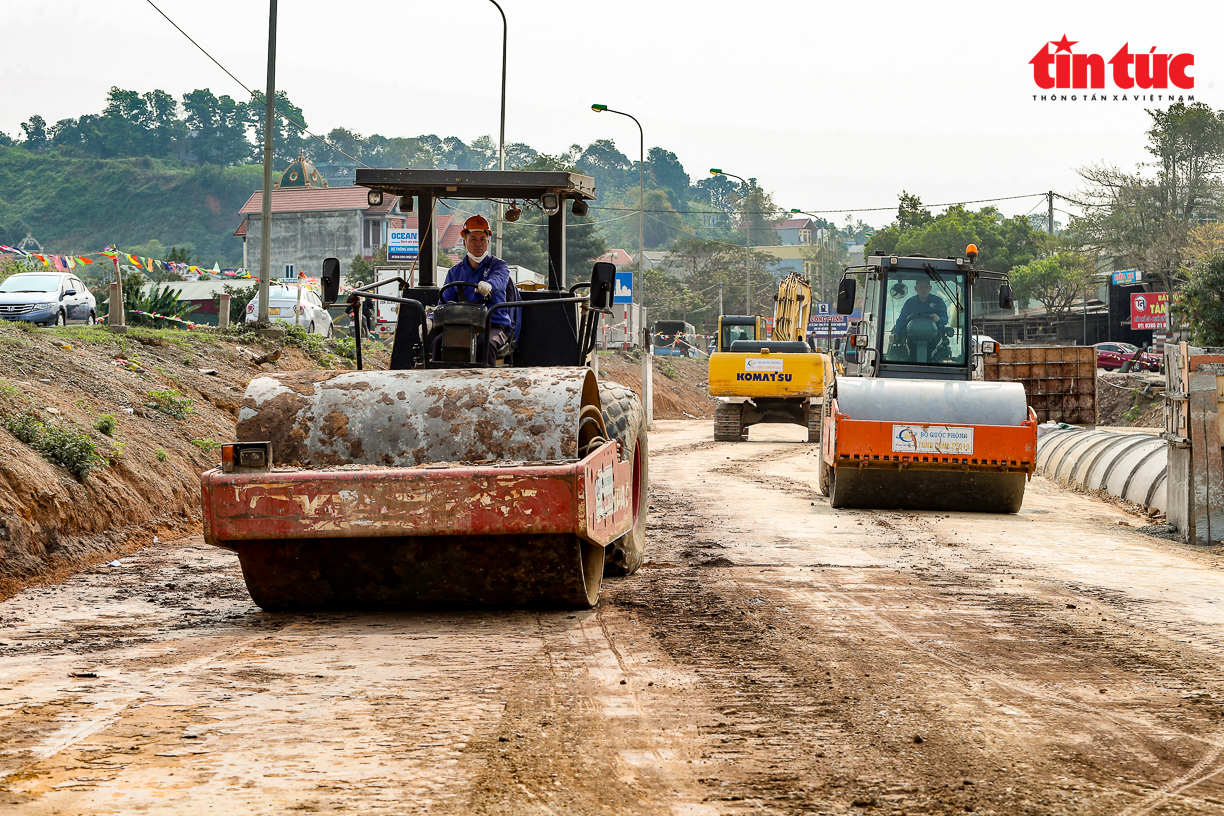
{"x":521,"y":185}
{"x":549,"y":191}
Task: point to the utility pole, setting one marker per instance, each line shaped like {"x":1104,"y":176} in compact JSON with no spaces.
{"x":1050,"y":222}
{"x":720,"y":301}
{"x":265,"y":223}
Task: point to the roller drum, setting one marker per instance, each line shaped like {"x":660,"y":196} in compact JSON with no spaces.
{"x":412,"y":418}
{"x":933,"y":402}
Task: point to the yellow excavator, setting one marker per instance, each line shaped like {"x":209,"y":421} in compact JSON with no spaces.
{"x":780,"y":380}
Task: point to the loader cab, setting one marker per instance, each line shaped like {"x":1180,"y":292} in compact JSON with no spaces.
{"x":917,"y":313}
{"x":553,"y":326}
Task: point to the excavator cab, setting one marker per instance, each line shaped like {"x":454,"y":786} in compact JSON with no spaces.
{"x":734,"y":328}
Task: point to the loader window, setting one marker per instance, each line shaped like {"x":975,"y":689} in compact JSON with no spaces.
{"x":924,"y":319}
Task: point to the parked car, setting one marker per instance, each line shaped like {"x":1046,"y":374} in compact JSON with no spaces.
{"x":1111,"y":356}
{"x":47,"y":298}
{"x":285,"y":307}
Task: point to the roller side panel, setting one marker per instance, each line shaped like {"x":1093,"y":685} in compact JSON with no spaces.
{"x":590,"y":498}
{"x":868,"y":466}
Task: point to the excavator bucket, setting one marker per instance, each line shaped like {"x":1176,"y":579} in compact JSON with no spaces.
{"x":422,"y":488}
{"x":927,"y":445}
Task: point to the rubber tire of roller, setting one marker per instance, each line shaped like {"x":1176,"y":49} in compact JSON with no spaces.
{"x":729,"y":423}
{"x":625,"y":420}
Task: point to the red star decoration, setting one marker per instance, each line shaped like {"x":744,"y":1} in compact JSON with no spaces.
{"x":1064,"y":44}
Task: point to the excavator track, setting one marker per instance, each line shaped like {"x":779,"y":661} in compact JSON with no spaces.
{"x":728,"y":424}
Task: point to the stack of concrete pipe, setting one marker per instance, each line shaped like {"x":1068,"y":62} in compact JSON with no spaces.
{"x":1131,"y":466}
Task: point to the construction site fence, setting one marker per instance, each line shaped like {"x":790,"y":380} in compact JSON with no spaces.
{"x":1059,"y":382}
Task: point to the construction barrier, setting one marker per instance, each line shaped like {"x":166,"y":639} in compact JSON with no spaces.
{"x":1059,"y":381}
{"x":1194,"y":427}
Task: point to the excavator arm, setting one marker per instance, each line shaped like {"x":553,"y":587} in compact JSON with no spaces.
{"x":792,"y":307}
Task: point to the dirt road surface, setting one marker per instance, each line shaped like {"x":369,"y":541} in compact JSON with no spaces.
{"x":774,"y":656}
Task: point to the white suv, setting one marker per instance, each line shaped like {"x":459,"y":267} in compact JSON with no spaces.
{"x":296,"y":305}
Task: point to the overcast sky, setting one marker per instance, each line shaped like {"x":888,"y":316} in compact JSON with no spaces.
{"x":830,"y":106}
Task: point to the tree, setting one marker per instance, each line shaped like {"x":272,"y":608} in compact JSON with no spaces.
{"x":482,"y":153}
{"x":1202,"y":300}
{"x":1002,"y":243}
{"x":607,"y":165}
{"x":1055,"y":282}
{"x":704,"y":265}
{"x":35,"y":133}
{"x":1188,"y":143}
{"x":1205,"y":239}
{"x":911,"y":214}
{"x":663,"y":224}
{"x":240,"y":296}
{"x":216,"y":129}
{"x":758,"y":215}
{"x":1143,"y":222}
{"x":823,"y":263}
{"x":288,"y":140}
{"x":518,"y":155}
{"x":668,"y":174}
{"x":179,"y":255}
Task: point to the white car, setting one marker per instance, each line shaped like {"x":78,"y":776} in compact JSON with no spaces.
{"x":292,"y":304}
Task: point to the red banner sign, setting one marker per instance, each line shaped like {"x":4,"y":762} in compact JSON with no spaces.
{"x":1150,"y":310}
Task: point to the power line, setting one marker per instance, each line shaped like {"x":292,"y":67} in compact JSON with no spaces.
{"x":253,"y":94}
{"x":834,"y":211}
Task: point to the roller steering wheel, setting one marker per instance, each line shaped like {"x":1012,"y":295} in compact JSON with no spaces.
{"x":922,"y":329}
{"x":487,"y":298}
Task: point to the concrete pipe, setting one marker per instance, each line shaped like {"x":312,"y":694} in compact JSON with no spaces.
{"x":1131,"y":466}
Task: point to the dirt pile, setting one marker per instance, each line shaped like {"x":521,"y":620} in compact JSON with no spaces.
{"x":103,"y":436}
{"x":1130,"y":400}
{"x":680,"y":384}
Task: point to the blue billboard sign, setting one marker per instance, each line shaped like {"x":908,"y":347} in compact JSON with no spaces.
{"x":824,"y":320}
{"x":1127,"y":277}
{"x":623,"y":293}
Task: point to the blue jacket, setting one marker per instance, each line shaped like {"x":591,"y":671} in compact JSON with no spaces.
{"x":915,"y":307}
{"x":491,"y":269}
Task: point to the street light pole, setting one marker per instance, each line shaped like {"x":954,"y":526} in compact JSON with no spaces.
{"x":640,"y":284}
{"x":501,"y":137}
{"x":714,"y":171}
{"x":641,"y":281}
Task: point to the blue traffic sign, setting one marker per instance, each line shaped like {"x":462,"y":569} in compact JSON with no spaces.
{"x":624,"y":288}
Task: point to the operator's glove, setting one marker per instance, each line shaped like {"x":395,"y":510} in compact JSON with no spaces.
{"x":484,"y":288}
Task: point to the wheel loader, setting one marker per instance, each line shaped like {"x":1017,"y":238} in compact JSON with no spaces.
{"x":913,"y":430}
{"x":443,"y":481}
{"x":780,"y":380}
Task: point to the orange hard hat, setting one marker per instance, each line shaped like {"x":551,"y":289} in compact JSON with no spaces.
{"x":476,"y":222}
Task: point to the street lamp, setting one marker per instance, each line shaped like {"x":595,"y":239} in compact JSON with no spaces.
{"x":714,"y":171}
{"x":501,"y":137}
{"x":640,"y":286}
